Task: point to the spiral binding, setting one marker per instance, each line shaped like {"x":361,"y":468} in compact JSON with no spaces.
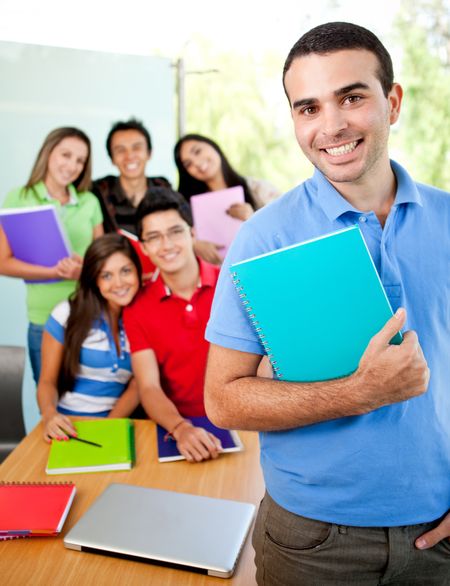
{"x":35,"y":483}
{"x":255,"y":323}
{"x":9,"y":537}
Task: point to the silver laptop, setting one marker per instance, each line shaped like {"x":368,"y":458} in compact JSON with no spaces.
{"x":168,"y":528}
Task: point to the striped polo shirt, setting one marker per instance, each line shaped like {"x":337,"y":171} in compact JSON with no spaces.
{"x":103,"y":375}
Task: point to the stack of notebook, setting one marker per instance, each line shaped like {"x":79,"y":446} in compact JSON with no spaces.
{"x":108,"y":445}
{"x":30,"y":509}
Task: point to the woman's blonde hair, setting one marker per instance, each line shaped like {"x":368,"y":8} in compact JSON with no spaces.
{"x":39,"y":171}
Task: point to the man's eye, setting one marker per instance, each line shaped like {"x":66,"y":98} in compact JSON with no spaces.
{"x":309,"y":110}
{"x":352,"y":99}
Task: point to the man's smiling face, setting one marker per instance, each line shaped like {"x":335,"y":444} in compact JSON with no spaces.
{"x":130,"y":153}
{"x":341,"y":115}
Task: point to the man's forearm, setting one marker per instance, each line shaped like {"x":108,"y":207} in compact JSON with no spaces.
{"x":159,"y":407}
{"x":263,"y":404}
{"x":194,"y":443}
{"x":235,"y":397}
{"x":156,"y":403}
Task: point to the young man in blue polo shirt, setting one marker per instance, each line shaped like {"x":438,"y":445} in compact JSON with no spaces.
{"x":357,"y":469}
{"x":166,"y":323}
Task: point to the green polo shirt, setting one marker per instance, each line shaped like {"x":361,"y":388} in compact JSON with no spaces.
{"x":79,"y":218}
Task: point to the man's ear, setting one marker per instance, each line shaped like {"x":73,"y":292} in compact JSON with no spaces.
{"x":395,"y":98}
{"x":193,"y":233}
{"x":149,"y":155}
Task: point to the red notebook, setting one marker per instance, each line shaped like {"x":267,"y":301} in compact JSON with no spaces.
{"x":34,"y":508}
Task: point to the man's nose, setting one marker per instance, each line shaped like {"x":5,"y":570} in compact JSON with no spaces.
{"x":334,"y":120}
{"x":165,"y":242}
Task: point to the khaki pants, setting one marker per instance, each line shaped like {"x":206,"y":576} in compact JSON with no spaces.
{"x":296,"y":551}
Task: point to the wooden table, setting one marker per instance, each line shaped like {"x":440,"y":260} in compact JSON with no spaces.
{"x":45,"y":560}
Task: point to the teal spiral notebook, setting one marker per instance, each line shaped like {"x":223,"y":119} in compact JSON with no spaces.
{"x":314,"y":305}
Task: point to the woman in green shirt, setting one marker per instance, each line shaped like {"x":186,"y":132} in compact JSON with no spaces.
{"x":61,"y":176}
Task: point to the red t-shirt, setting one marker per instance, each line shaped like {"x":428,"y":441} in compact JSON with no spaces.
{"x":174,"y":329}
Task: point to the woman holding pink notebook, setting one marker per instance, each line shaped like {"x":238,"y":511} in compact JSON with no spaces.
{"x":203,"y":167}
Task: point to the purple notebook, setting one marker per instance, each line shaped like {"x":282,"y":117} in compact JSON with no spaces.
{"x":35,"y":235}
{"x":211,"y":220}
{"x":168,"y":451}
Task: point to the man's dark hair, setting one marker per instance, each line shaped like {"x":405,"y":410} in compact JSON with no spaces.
{"x":161,"y":199}
{"x":131,"y":124}
{"x":339,"y":36}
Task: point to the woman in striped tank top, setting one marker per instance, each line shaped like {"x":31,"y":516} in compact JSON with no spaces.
{"x":86,"y":364}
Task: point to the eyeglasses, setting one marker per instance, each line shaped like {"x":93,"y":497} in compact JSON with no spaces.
{"x":175,"y":234}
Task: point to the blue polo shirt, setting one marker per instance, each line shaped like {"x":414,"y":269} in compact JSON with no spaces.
{"x":389,"y":467}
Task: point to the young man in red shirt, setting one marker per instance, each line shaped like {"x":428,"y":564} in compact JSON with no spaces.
{"x":166,"y":322}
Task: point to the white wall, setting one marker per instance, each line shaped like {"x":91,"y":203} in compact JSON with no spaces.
{"x":46,"y":87}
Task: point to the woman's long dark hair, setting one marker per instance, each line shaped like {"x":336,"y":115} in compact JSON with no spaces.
{"x":188,"y":185}
{"x":87,"y":303}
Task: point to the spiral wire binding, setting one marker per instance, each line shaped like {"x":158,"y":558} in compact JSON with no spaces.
{"x":9,"y":537}
{"x":255,"y":323}
{"x":36,"y":483}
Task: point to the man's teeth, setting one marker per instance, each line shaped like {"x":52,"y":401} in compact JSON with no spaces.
{"x":342,"y":150}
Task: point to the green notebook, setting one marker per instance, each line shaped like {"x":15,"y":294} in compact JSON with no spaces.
{"x":116,"y":437}
{"x":314,"y":305}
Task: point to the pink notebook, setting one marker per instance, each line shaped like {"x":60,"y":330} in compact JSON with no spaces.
{"x":211,"y":220}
